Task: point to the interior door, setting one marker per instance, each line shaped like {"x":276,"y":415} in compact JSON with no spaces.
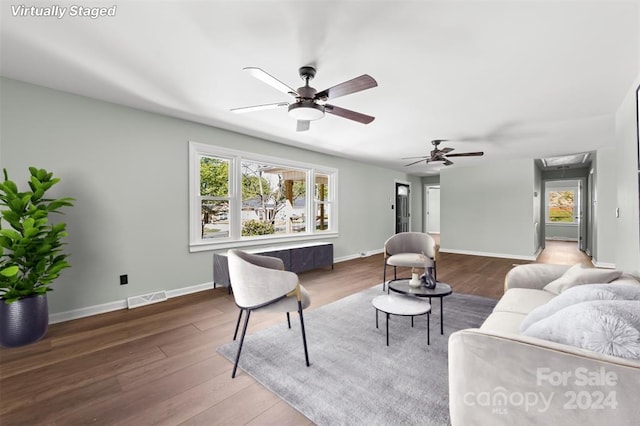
{"x":582,"y":216}
{"x":433,"y":209}
{"x":403,"y":212}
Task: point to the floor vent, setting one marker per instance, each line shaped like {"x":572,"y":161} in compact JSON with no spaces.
{"x":146,"y":299}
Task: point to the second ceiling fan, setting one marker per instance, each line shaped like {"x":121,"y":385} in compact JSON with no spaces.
{"x":309,"y":104}
{"x":441,"y":155}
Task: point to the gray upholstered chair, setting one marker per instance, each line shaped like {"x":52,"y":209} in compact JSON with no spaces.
{"x":260,"y":283}
{"x":411,"y":250}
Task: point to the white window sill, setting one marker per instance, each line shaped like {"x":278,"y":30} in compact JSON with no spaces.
{"x":225,"y":245}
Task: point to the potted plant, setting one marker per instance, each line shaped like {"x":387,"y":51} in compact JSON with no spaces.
{"x":31,"y":256}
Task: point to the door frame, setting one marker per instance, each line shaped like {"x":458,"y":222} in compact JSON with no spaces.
{"x":426,"y":205}
{"x":394,"y":207}
{"x":584,"y":209}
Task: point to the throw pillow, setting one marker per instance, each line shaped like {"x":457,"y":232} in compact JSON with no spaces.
{"x":579,"y":294}
{"x":578,"y":275}
{"x":610,"y":327}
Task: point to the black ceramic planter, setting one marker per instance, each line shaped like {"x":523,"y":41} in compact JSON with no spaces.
{"x":24,"y":321}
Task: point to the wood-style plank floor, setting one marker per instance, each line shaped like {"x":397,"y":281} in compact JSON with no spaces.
{"x":158,"y":364}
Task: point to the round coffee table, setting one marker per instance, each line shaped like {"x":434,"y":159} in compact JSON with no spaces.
{"x":396,"y":304}
{"x":441,"y":290}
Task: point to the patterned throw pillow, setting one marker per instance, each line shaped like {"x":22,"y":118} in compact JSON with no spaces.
{"x":610,"y":327}
{"x":583,"y":293}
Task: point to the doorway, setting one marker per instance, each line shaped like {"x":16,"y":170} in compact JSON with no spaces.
{"x":565,"y":208}
{"x":403,"y":207}
{"x":432,"y":210}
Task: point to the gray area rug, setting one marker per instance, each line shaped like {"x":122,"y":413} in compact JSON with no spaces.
{"x":354,"y":379}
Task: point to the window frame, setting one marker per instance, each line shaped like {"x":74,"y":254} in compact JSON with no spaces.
{"x":548,"y":207}
{"x":235,"y":239}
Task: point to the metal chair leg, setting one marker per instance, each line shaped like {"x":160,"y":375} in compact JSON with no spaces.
{"x":235,"y":333}
{"x":384,"y":275}
{"x":244,"y":331}
{"x":387,"y":329}
{"x":304,"y":335}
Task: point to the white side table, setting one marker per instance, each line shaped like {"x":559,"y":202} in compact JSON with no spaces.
{"x":395,"y":304}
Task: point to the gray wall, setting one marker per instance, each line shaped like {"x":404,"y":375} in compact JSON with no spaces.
{"x":128,"y":170}
{"x":626,"y":161}
{"x":489,"y":210}
{"x":606,"y":202}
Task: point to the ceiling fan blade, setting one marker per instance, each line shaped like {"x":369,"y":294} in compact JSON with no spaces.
{"x":416,"y":162}
{"x":467,"y":154}
{"x":347,"y":113}
{"x":447,"y":162}
{"x":424,"y":157}
{"x":446,"y":150}
{"x":265,"y":77}
{"x":354,"y":85}
{"x":303,"y":125}
{"x":259,"y":107}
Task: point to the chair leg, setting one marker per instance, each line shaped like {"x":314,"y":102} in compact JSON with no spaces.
{"x":384,"y":275}
{"x":235,"y":333}
{"x":289,"y":320}
{"x":244,"y":331}
{"x":304,"y":335}
{"x":387,"y":328}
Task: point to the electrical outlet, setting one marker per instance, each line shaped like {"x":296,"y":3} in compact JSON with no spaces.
{"x":124,"y":279}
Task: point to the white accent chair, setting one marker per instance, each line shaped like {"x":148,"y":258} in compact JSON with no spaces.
{"x":260,"y":283}
{"x":411,"y":250}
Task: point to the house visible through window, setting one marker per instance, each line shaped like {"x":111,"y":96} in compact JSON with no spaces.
{"x":238,"y":197}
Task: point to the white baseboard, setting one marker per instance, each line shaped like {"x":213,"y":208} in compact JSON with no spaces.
{"x":480,"y":253}
{"x":357,"y":256}
{"x":88,"y":311}
{"x":120,"y":304}
{"x":606,"y":265}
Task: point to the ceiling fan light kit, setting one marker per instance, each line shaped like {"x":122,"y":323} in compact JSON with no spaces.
{"x":310,"y":104}
{"x":306,"y":111}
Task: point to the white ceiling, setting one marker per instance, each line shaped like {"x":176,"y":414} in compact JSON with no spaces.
{"x":515,"y":79}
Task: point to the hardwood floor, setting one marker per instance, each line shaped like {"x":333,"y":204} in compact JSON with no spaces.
{"x":158,"y":364}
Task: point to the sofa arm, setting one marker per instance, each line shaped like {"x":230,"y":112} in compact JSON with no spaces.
{"x":506,"y":379}
{"x":533,"y":275}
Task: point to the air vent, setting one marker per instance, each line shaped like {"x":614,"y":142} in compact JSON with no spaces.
{"x":146,"y":299}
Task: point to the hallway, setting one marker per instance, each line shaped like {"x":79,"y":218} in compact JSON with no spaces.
{"x":563,"y":253}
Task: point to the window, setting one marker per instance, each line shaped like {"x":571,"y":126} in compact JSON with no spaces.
{"x":561,"y":206}
{"x":239,"y":198}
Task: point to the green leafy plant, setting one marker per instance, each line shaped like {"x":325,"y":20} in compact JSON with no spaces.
{"x":255,"y":227}
{"x":31,"y":255}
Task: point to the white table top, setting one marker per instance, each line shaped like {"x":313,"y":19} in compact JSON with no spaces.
{"x":397,"y":304}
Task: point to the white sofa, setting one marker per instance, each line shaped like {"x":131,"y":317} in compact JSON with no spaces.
{"x":498,"y":376}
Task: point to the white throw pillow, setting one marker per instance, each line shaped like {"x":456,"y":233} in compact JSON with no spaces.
{"x":578,"y":275}
{"x":583,"y":293}
{"x":610,"y":327}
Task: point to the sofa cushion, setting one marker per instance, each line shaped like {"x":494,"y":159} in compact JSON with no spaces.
{"x":503,"y":322}
{"x":611,"y":327}
{"x":522,"y":300}
{"x":583,"y":293}
{"x":578,"y":275}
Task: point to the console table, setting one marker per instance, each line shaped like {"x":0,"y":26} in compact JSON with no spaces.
{"x":296,"y":258}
